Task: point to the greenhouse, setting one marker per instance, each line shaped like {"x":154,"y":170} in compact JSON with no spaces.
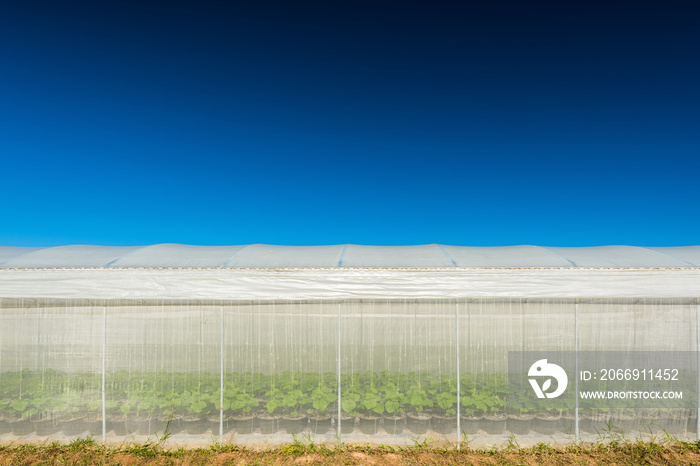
{"x":261,"y":344}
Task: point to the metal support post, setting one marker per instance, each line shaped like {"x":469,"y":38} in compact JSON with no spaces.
{"x":459,"y":401}
{"x":577,"y":437}
{"x":104,"y":367}
{"x":338,"y":370}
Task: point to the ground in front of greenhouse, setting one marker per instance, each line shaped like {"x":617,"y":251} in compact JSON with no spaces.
{"x":87,"y":451}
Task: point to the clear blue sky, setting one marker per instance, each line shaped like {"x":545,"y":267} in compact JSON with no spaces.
{"x":370,"y":122}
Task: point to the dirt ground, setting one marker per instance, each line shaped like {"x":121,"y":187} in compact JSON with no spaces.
{"x":88,"y":452}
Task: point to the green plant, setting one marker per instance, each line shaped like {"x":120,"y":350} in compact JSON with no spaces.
{"x":476,"y":404}
{"x":241,"y":404}
{"x":447,"y":403}
{"x":321,"y":398}
{"x":81,"y":442}
{"x":125,"y":408}
{"x":392,"y":398}
{"x":371,"y":403}
{"x":293,"y":401}
{"x":350,"y":402}
{"x":274,"y":400}
{"x":521,"y":403}
{"x":195,"y":403}
{"x":512,"y":443}
{"x":418,"y":398}
{"x":144,"y":403}
{"x":22,"y":408}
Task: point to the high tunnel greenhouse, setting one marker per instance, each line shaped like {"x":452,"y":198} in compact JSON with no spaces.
{"x":256,"y":344}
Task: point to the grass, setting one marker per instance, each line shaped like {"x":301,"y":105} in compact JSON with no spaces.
{"x":304,"y":451}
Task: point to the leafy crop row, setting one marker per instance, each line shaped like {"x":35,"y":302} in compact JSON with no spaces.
{"x":51,"y":394}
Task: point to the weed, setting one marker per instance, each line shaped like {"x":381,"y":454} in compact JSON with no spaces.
{"x":82,"y":442}
{"x":224,"y":448}
{"x":419,"y":443}
{"x":86,"y":451}
{"x":464,"y":443}
{"x":691,"y":446}
{"x":670,"y":438}
{"x":338,"y":440}
{"x":162,"y":439}
{"x":300,"y":447}
{"x":512,"y":443}
{"x":569,"y":429}
{"x":143,"y":450}
{"x":543,"y":448}
{"x":611,"y":434}
{"x":215,"y":442}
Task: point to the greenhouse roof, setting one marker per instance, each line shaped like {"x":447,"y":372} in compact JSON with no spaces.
{"x":346,"y":256}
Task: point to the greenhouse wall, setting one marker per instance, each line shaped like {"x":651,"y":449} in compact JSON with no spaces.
{"x":387,"y":371}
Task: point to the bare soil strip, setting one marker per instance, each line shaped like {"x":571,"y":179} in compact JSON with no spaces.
{"x":89,"y":453}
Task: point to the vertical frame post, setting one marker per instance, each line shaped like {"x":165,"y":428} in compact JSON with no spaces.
{"x":104,"y":370}
{"x":577,"y":438}
{"x":459,"y":400}
{"x":221,"y":371}
{"x":338,"y":370}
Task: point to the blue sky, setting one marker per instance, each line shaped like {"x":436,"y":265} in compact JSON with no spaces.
{"x":488,"y":123}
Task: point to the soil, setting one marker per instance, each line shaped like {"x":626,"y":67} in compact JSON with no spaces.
{"x":87,"y":452}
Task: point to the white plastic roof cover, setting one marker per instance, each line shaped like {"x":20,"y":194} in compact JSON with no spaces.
{"x":346,"y":256}
{"x":264,"y":272}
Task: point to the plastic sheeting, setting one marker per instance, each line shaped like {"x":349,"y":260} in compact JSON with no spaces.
{"x":346,"y":256}
{"x":256,"y":344}
{"x":347,"y":283}
{"x":260,"y":271}
{"x":257,"y":372}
